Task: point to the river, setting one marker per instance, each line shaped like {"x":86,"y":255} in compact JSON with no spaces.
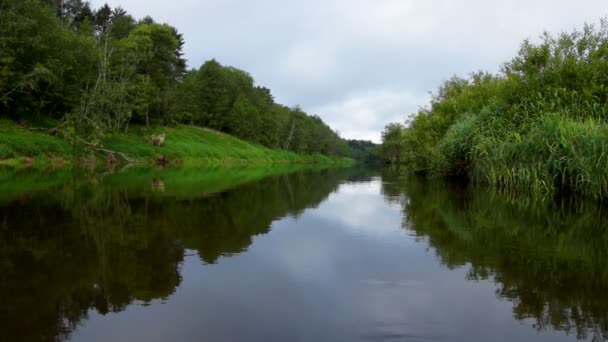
{"x":312,"y":255}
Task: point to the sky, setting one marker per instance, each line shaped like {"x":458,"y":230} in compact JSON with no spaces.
{"x":361,"y":64}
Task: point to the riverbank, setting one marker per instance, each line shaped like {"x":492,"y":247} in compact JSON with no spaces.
{"x":538,"y":127}
{"x":182,"y":146}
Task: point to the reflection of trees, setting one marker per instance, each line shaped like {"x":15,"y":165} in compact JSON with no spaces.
{"x":93,"y":246}
{"x":548,"y":259}
{"x":226,"y":222}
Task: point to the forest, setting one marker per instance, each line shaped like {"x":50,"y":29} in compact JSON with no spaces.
{"x":364,"y":151}
{"x":538,"y":126}
{"x":85,"y":73}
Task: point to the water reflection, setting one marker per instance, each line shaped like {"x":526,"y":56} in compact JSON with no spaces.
{"x":548,"y":258}
{"x":105,"y":243}
{"x":319,"y":255}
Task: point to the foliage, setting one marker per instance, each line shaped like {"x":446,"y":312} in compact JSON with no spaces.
{"x":226,"y":99}
{"x":538,"y":126}
{"x":392,"y":141}
{"x":43,"y":65}
{"x":99,"y":71}
{"x":364,"y":151}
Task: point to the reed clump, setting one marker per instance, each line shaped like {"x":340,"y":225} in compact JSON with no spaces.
{"x":538,"y":126}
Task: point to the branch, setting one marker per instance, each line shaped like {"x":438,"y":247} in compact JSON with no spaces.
{"x":14,"y":90}
{"x":123,"y":155}
{"x":105,"y":150}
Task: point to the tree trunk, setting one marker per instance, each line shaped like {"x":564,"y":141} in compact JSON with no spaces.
{"x":293,"y":126}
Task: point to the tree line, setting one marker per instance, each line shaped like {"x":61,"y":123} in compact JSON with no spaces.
{"x":96,"y":71}
{"x":364,"y":151}
{"x":539,"y":125}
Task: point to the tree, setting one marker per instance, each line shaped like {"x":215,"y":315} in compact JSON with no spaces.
{"x":43,"y":66}
{"x":100,"y":69}
{"x":392,"y":145}
{"x":243,"y":119}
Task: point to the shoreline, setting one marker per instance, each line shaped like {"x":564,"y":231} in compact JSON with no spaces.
{"x":187,"y":146}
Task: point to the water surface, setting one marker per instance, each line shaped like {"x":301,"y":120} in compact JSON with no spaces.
{"x":318,"y":255}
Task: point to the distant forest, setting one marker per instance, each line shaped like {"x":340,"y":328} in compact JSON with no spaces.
{"x":365,"y":151}
{"x":97,"y":71}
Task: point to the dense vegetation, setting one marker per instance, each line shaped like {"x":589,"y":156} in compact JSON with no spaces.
{"x":226,"y":99}
{"x":89,"y":73}
{"x":539,"y":125}
{"x":364,"y":151}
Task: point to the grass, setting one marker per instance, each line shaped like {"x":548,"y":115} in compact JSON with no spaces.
{"x":539,"y":126}
{"x":553,"y":154}
{"x":194,"y":146}
{"x":184,"y":145}
{"x":19,"y":147}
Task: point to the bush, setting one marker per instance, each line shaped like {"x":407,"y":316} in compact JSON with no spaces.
{"x":538,"y":126}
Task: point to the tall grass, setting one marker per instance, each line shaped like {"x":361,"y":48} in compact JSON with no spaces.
{"x":539,"y":126}
{"x":553,"y":154}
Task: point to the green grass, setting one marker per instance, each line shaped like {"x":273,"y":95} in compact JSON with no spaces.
{"x":552,"y":154}
{"x":18,"y":144}
{"x":540,"y":126}
{"x":192,"y":145}
{"x":184,"y":145}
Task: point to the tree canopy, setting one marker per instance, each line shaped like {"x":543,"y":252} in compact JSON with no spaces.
{"x":100,"y":70}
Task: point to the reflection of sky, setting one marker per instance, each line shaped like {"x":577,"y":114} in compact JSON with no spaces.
{"x":342,"y":272}
{"x":358,"y":207}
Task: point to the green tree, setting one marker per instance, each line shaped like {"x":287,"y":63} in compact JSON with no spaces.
{"x":43,"y":66}
{"x":392,"y":142}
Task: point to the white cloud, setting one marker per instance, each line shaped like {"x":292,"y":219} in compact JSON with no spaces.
{"x":309,"y":63}
{"x":368,"y":213}
{"x":363,"y":115}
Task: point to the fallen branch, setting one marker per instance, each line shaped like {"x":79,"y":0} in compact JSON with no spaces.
{"x":51,"y":131}
{"x":105,"y":150}
{"x":123,"y":155}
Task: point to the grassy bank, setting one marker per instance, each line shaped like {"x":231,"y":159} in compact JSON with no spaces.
{"x":183,"y":145}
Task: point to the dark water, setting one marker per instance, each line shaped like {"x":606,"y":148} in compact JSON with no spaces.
{"x":326,"y":255}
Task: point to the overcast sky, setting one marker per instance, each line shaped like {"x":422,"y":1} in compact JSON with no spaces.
{"x":360,"y":64}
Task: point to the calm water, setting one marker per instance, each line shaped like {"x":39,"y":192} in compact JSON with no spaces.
{"x":328,"y":255}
